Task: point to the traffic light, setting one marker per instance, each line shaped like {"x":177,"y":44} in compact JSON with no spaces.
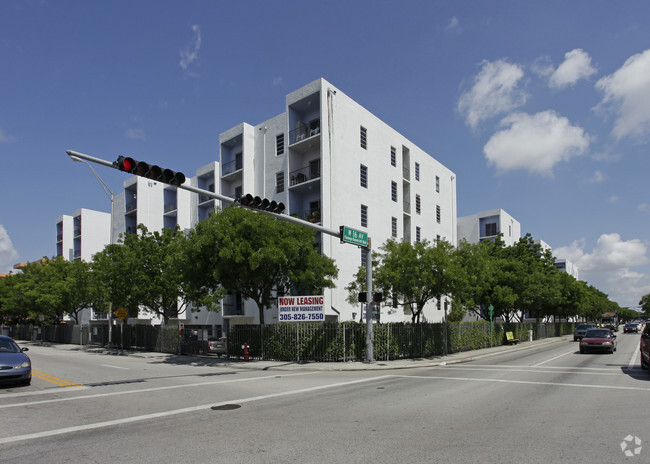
{"x":263,"y":204}
{"x":363,"y":297}
{"x":150,"y":171}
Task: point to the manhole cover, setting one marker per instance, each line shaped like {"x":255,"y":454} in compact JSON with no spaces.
{"x":226,"y":407}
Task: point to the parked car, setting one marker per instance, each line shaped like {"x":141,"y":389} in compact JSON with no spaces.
{"x":217,"y":345}
{"x":15,"y":365}
{"x":631,"y":327}
{"x":598,"y":340}
{"x":581,"y":330}
{"x":645,"y":347}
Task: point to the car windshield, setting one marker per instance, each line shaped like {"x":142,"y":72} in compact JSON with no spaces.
{"x":8,"y":346}
{"x":598,"y":334}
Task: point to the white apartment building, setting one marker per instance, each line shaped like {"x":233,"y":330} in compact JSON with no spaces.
{"x":330,"y":161}
{"x":487,"y":225}
{"x":83,"y":234}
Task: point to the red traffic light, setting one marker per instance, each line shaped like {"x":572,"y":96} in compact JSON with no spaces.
{"x":125,"y":164}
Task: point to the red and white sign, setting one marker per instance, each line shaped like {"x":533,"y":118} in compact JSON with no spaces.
{"x":301,"y":308}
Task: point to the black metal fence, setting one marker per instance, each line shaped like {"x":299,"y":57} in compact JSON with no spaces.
{"x":303,"y":342}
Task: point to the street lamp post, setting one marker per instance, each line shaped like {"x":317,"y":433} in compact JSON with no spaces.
{"x":109,"y":194}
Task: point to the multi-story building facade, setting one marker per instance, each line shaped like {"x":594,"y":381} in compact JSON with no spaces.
{"x":487,"y":225}
{"x":331,"y":162}
{"x":83,"y":234}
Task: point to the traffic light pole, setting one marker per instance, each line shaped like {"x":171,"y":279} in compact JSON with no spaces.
{"x":281,"y":217}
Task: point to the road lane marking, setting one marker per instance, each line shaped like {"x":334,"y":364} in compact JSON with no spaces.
{"x":553,"y":359}
{"x":155,"y":415}
{"x":55,"y":380}
{"x":526,"y":382}
{"x":115,"y":367}
{"x":143,"y":390}
{"x":633,"y":360}
{"x":548,"y":370}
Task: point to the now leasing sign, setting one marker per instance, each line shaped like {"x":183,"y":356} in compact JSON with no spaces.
{"x":301,"y":308}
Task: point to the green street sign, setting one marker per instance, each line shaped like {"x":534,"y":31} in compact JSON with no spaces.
{"x":353,"y":236}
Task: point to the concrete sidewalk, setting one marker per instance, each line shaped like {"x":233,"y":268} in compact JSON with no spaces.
{"x":208,"y":360}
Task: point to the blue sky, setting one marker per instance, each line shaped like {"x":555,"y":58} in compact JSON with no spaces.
{"x":540,"y":108}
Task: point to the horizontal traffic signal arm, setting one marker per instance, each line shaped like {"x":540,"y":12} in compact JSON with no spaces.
{"x":207,"y":193}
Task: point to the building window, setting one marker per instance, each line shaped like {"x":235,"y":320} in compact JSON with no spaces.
{"x":437,"y":238}
{"x":417,"y":171}
{"x":363,"y":175}
{"x":438,"y":214}
{"x":417,"y":204}
{"x":393,"y":191}
{"x":393,"y":227}
{"x":364,"y":139}
{"x":393,"y":156}
{"x":364,"y":216}
{"x":279,"y":182}
{"x":279,"y":144}
{"x":417,"y":234}
{"x":437,"y":184}
{"x":491,"y":229}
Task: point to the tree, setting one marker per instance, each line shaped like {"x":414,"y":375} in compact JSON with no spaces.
{"x":145,"y":271}
{"x":645,"y":305}
{"x":255,"y":255}
{"x":413,"y":274}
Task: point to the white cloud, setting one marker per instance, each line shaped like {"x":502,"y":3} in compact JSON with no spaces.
{"x":495,"y":91}
{"x":597,"y":178}
{"x":627,"y":94}
{"x":542,"y":66}
{"x":613,"y":199}
{"x":8,"y":254}
{"x":136,"y":134}
{"x":608,"y":266}
{"x":276,"y":81}
{"x":535,"y":143}
{"x":576,"y":66}
{"x":191,"y":53}
{"x":643,"y":208}
{"x":453,"y":23}
{"x":5,"y":138}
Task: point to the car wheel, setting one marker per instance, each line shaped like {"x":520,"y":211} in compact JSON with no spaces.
{"x":644,"y":363}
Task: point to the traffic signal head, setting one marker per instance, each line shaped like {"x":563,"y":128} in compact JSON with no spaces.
{"x":126,"y":164}
{"x":144,"y":169}
{"x":257,"y":202}
{"x":363,"y":297}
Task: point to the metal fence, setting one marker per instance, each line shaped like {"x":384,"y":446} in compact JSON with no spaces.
{"x":303,"y":342}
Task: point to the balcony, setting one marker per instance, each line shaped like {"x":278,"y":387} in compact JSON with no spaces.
{"x":305,"y":138}
{"x":310,"y":215}
{"x":231,"y":166}
{"x":306,"y":174}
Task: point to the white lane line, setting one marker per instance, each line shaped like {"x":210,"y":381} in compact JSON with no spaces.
{"x":525,"y":382}
{"x":559,"y":370}
{"x":553,"y":359}
{"x":128,"y":420}
{"x":632,"y":362}
{"x":115,"y":367}
{"x":143,"y":390}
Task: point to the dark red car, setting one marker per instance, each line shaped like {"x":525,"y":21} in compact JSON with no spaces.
{"x":645,"y":347}
{"x":598,"y":340}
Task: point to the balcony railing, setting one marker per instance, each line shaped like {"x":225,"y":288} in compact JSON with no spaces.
{"x":303,"y":133}
{"x":304,"y":174}
{"x":310,"y":215}
{"x":231,"y":166}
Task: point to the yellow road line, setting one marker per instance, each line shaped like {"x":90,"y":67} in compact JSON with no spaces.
{"x":55,"y":380}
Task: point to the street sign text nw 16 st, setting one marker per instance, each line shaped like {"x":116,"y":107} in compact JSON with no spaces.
{"x":353,"y":236}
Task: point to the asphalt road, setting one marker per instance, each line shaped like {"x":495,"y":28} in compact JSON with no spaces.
{"x":543,"y":403}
